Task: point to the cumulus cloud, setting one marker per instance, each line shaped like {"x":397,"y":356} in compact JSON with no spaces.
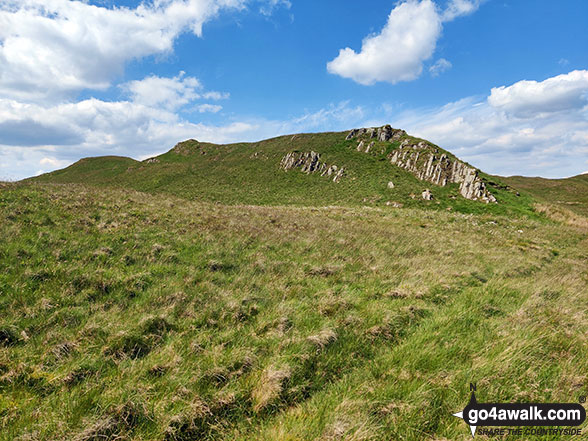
{"x":53,"y":49}
{"x":407,"y":40}
{"x":169,"y":93}
{"x":440,"y":66}
{"x":529,"y":98}
{"x":398,"y":51}
{"x":531,"y":128}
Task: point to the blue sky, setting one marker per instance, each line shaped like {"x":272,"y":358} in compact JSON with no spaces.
{"x":502,"y":84}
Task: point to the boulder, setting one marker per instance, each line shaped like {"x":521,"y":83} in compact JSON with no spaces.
{"x":427,"y":195}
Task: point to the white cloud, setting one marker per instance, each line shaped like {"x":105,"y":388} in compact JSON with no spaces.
{"x":528,"y":98}
{"x":407,"y":40}
{"x":527,"y":128}
{"x":458,"y":8}
{"x":331,"y":116}
{"x":170,"y":93}
{"x":398,"y":51}
{"x":440,"y":66}
{"x":216,"y":95}
{"x":269,"y":6}
{"x":52,"y":49}
{"x":211,"y":108}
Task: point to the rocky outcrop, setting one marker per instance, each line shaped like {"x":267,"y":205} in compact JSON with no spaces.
{"x":383,"y":134}
{"x":427,"y":164}
{"x":309,"y":162}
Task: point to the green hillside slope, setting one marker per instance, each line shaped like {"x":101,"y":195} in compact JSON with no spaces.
{"x":571,"y":193}
{"x":250,"y":173}
{"x":134,"y":316}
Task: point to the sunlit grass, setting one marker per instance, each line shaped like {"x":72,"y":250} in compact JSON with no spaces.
{"x":127,"y":315}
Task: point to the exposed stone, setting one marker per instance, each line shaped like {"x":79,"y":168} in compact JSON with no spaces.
{"x":187,"y":147}
{"x":151,"y":161}
{"x":390,"y":184}
{"x":425,"y":162}
{"x":427,"y":195}
{"x":360,"y":146}
{"x":351,"y":135}
{"x":257,"y":155}
{"x":309,"y":162}
{"x":394,"y":204}
{"x":383,"y":134}
{"x":338,"y":175}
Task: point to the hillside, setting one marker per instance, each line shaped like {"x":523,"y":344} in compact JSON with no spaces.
{"x":254,"y":173}
{"x":126,"y":315}
{"x":570,"y":193}
{"x":306,"y":287}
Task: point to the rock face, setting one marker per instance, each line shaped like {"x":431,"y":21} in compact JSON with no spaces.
{"x":427,"y":164}
{"x":383,"y":134}
{"x":309,"y":162}
{"x":424,"y":161}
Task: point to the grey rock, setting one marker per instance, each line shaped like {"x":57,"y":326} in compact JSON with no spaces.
{"x":309,"y":162}
{"x":390,"y":184}
{"x":427,"y":195}
{"x":351,"y":135}
{"x":339,"y":175}
{"x":424,"y":161}
{"x":383,"y":134}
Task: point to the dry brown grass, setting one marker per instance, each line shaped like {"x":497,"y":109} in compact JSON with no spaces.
{"x":564,"y":215}
{"x":323,"y":338}
{"x":270,"y":386}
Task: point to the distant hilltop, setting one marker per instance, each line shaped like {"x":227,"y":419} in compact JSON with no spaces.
{"x":379,"y":166}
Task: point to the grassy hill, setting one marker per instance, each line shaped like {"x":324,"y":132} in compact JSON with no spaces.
{"x":570,"y":193}
{"x":250,"y":173}
{"x":215,"y":296}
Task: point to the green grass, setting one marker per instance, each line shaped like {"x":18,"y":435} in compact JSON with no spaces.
{"x":142,"y":315}
{"x":570,"y":193}
{"x":250,"y":173}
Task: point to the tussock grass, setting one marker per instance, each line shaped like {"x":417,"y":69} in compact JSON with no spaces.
{"x":127,"y":315}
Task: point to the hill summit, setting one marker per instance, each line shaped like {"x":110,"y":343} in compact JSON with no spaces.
{"x":381,"y":166}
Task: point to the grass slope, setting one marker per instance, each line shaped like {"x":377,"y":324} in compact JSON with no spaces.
{"x":570,"y":193}
{"x":128,"y":315}
{"x":250,"y":173}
